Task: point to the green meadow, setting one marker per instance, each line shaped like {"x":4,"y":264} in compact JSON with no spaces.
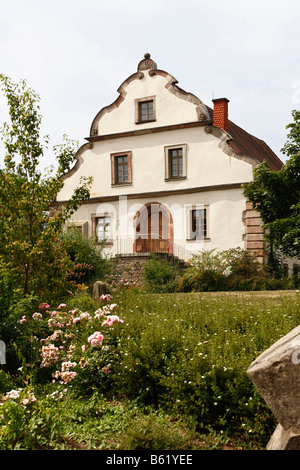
{"x":170,"y":374}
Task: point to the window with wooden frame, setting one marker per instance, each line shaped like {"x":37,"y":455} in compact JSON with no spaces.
{"x":121,"y":172}
{"x":145,"y":110}
{"x":197,"y":228}
{"x":175,"y":162}
{"x":102,"y":227}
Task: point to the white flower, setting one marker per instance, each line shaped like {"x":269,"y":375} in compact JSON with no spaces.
{"x":13,"y":394}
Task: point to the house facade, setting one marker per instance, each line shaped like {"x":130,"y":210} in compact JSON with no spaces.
{"x":167,"y":172}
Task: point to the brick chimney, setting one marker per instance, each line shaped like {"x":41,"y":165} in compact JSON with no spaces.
{"x":221,"y":113}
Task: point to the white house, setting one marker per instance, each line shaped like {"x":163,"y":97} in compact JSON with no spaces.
{"x":167,"y":172}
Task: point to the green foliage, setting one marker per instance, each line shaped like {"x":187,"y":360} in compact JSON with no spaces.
{"x":29,"y":239}
{"x":59,"y":420}
{"x":86,"y":255}
{"x":292,"y":145}
{"x":155,"y":430}
{"x":160,"y":274}
{"x":6,"y":382}
{"x":25,"y":423}
{"x":276,"y":195}
{"x":173,"y":371}
{"x":13,"y":306}
{"x":8,"y":292}
{"x":189,"y":354}
{"x":229,"y":270}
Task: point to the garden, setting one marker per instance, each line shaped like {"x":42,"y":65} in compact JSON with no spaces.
{"x":156,"y":366}
{"x":137,"y":369}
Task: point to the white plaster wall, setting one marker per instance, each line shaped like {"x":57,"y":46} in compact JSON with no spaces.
{"x":225,"y":210}
{"x":170,"y":109}
{"x":207,"y":164}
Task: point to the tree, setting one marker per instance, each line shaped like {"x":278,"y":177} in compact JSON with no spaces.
{"x":29,"y":233}
{"x":276,"y":195}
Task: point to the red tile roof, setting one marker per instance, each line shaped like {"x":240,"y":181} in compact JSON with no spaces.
{"x":246,"y":144}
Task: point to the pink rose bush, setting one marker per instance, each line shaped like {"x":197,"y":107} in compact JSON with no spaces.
{"x":65,"y":375}
{"x":23,"y":396}
{"x":76,"y":340}
{"x":50,"y":355}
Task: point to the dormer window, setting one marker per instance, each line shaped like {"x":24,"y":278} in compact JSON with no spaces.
{"x":145,"y":110}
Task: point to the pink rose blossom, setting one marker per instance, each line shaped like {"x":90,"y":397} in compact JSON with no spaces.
{"x":95,"y":339}
{"x":105,"y":297}
{"x":111,"y":319}
{"x":44,"y":305}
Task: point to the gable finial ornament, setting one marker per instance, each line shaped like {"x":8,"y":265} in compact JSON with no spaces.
{"x":147,"y":63}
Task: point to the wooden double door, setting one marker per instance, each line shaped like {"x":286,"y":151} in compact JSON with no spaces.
{"x":153,"y":229}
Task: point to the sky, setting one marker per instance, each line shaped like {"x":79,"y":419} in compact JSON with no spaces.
{"x":75,"y":54}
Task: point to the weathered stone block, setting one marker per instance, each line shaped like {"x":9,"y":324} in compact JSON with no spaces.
{"x":99,"y":288}
{"x":254,"y":229}
{"x":255,"y":245}
{"x":255,"y":221}
{"x":276,"y":375}
{"x":284,"y":439}
{"x":250,"y":214}
{"x":254,"y":237}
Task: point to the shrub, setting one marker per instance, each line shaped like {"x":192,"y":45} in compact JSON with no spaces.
{"x":160,"y":275}
{"x":7,"y":288}
{"x":89,"y":265}
{"x":71,"y":345}
{"x":229,"y":270}
{"x":26,"y":423}
{"x":13,"y":306}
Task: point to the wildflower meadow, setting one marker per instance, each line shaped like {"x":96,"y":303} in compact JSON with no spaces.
{"x":139,"y":370}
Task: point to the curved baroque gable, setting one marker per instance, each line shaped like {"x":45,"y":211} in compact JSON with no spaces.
{"x":149,"y":67}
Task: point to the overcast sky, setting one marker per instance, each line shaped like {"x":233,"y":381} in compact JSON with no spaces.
{"x":75,"y":54}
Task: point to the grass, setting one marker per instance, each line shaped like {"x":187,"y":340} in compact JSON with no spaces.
{"x":189,"y":353}
{"x":178,"y":377}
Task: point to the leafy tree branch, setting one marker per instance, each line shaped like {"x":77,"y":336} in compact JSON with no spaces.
{"x":28,"y":230}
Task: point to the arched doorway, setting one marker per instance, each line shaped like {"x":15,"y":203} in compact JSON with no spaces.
{"x":153,"y":229}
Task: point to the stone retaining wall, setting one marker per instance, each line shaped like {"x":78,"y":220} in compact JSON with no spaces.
{"x":129,"y":270}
